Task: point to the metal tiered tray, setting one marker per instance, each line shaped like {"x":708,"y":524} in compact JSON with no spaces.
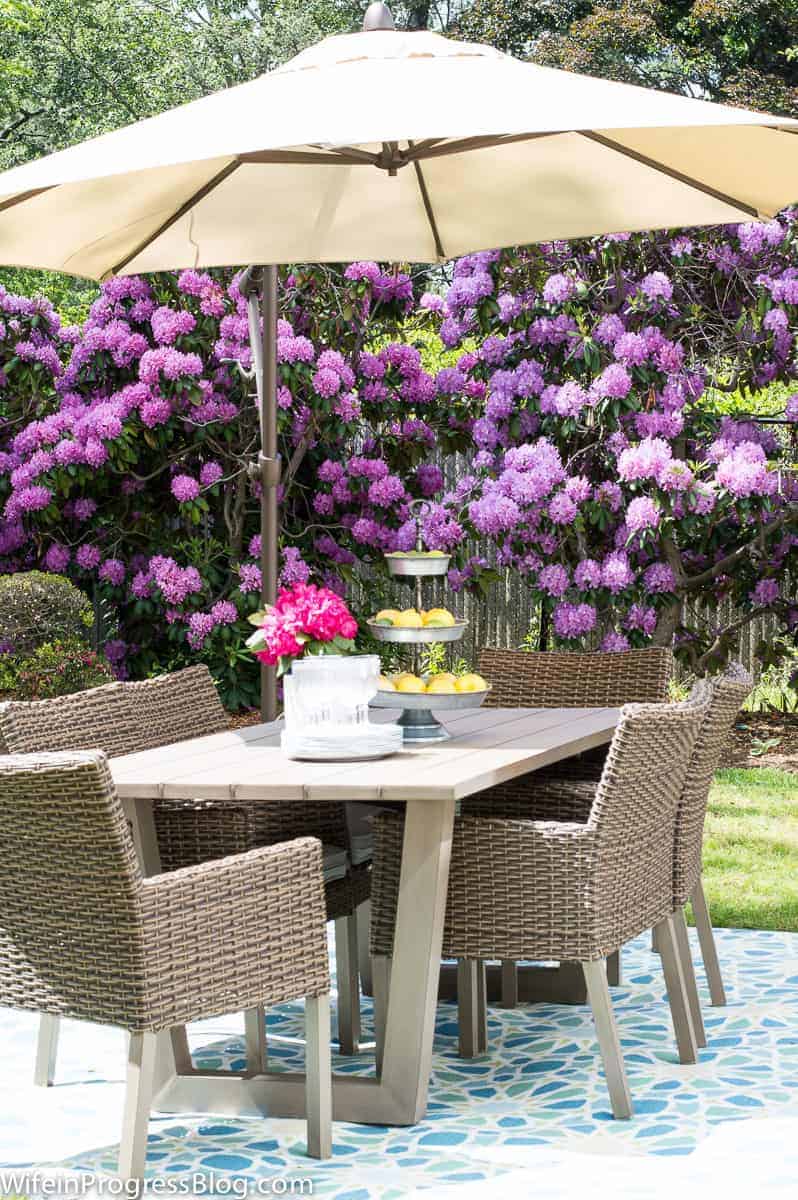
{"x":418,"y":718}
{"x":425,"y":565}
{"x":416,"y":634}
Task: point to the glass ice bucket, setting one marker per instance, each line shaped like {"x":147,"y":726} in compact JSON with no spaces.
{"x":329,"y":694}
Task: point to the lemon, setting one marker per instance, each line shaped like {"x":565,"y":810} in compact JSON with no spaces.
{"x":471,"y":683}
{"x":443,"y":684}
{"x":409,"y":683}
{"x":387,"y":614}
{"x":439,"y":618}
{"x":385,"y":684}
{"x":409,"y":619}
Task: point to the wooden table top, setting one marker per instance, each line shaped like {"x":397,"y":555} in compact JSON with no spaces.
{"x":487,"y":746}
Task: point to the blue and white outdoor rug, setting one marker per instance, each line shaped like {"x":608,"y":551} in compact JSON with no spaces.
{"x":529,"y":1118}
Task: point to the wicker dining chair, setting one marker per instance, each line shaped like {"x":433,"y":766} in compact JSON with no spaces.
{"x":560,"y":679}
{"x":84,"y":935}
{"x":123,"y":718}
{"x":729,"y":691}
{"x":576,"y":679}
{"x":571,"y":800}
{"x":565,"y":891}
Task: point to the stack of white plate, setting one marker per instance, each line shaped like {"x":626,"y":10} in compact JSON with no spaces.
{"x":359,"y":743}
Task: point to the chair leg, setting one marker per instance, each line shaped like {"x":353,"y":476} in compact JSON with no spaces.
{"x":654,"y":942}
{"x":509,"y":983}
{"x":318,"y":1076}
{"x":471,"y":1008}
{"x":482,"y":1007}
{"x":255,"y":1039}
{"x":363,"y":920}
{"x":347,"y":984}
{"x":46,"y":1050}
{"x":677,"y":993}
{"x":598,"y":994}
{"x":138,"y":1099}
{"x":381,"y":973}
{"x":706,"y":940}
{"x":614,"y":972}
{"x":688,"y":971}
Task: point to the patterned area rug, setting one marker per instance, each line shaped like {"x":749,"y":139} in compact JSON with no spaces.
{"x":536,"y":1102}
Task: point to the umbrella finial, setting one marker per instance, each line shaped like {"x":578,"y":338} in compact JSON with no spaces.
{"x":378,"y":16}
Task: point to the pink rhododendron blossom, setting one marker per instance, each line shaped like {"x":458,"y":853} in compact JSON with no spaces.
{"x":301,"y":616}
{"x":184,"y":488}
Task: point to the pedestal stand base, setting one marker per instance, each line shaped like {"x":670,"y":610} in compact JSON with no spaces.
{"x":421,"y":725}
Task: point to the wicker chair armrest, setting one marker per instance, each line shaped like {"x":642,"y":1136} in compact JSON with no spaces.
{"x":534,"y":797}
{"x":231,"y":934}
{"x":522,"y":889}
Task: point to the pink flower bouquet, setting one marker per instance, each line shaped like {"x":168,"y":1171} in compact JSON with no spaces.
{"x":305,"y":620}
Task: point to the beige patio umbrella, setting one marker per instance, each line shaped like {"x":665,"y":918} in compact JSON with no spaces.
{"x":402,"y":146}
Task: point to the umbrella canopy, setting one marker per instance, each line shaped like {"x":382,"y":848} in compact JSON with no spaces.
{"x":396,"y":146}
{"x":390,"y":145}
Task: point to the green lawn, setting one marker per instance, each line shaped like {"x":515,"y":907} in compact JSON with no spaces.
{"x":751,"y":849}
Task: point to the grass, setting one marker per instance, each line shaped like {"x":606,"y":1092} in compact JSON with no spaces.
{"x":751,"y":849}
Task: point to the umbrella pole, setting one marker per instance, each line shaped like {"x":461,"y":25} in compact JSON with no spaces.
{"x":263,"y":345}
{"x":269,"y":475}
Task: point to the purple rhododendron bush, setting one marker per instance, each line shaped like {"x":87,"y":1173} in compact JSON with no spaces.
{"x":581,"y":382}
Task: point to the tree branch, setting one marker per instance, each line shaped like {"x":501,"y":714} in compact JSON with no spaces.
{"x":18,"y":122}
{"x":725,"y":564}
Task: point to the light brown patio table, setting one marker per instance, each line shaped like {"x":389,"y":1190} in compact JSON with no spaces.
{"x":487,"y":746}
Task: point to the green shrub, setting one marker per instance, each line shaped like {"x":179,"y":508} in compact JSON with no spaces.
{"x":36,"y":608}
{"x":777,"y":690}
{"x":8,"y":676}
{"x":59,"y":668}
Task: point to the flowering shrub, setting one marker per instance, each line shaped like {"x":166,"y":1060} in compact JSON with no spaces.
{"x":59,"y":668}
{"x":600,"y":472}
{"x":304,"y":620}
{"x":585,"y":382}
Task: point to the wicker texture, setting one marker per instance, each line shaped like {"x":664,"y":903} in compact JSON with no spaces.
{"x":100,"y":718}
{"x":560,"y":679}
{"x":565,"y":891}
{"x":173,"y":708}
{"x":82,"y":934}
{"x":554,"y":679}
{"x":729,"y":690}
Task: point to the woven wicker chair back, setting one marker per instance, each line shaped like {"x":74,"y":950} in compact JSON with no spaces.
{"x":175,"y":707}
{"x":98,"y":719}
{"x":186,"y":704}
{"x":634,"y":811}
{"x":555,"y":679}
{"x":71,"y":932}
{"x":729,"y":690}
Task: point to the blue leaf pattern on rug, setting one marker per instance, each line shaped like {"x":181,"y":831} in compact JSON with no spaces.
{"x":540,"y":1086}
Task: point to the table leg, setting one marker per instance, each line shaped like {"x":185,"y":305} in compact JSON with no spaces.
{"x":399,"y":1095}
{"x":410,"y":1024}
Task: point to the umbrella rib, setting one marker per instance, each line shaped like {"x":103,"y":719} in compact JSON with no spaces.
{"x":346,"y":154}
{"x":433,"y":224}
{"x":435,"y":148}
{"x":696,"y":184}
{"x":184,"y":208}
{"x":23,"y":196}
